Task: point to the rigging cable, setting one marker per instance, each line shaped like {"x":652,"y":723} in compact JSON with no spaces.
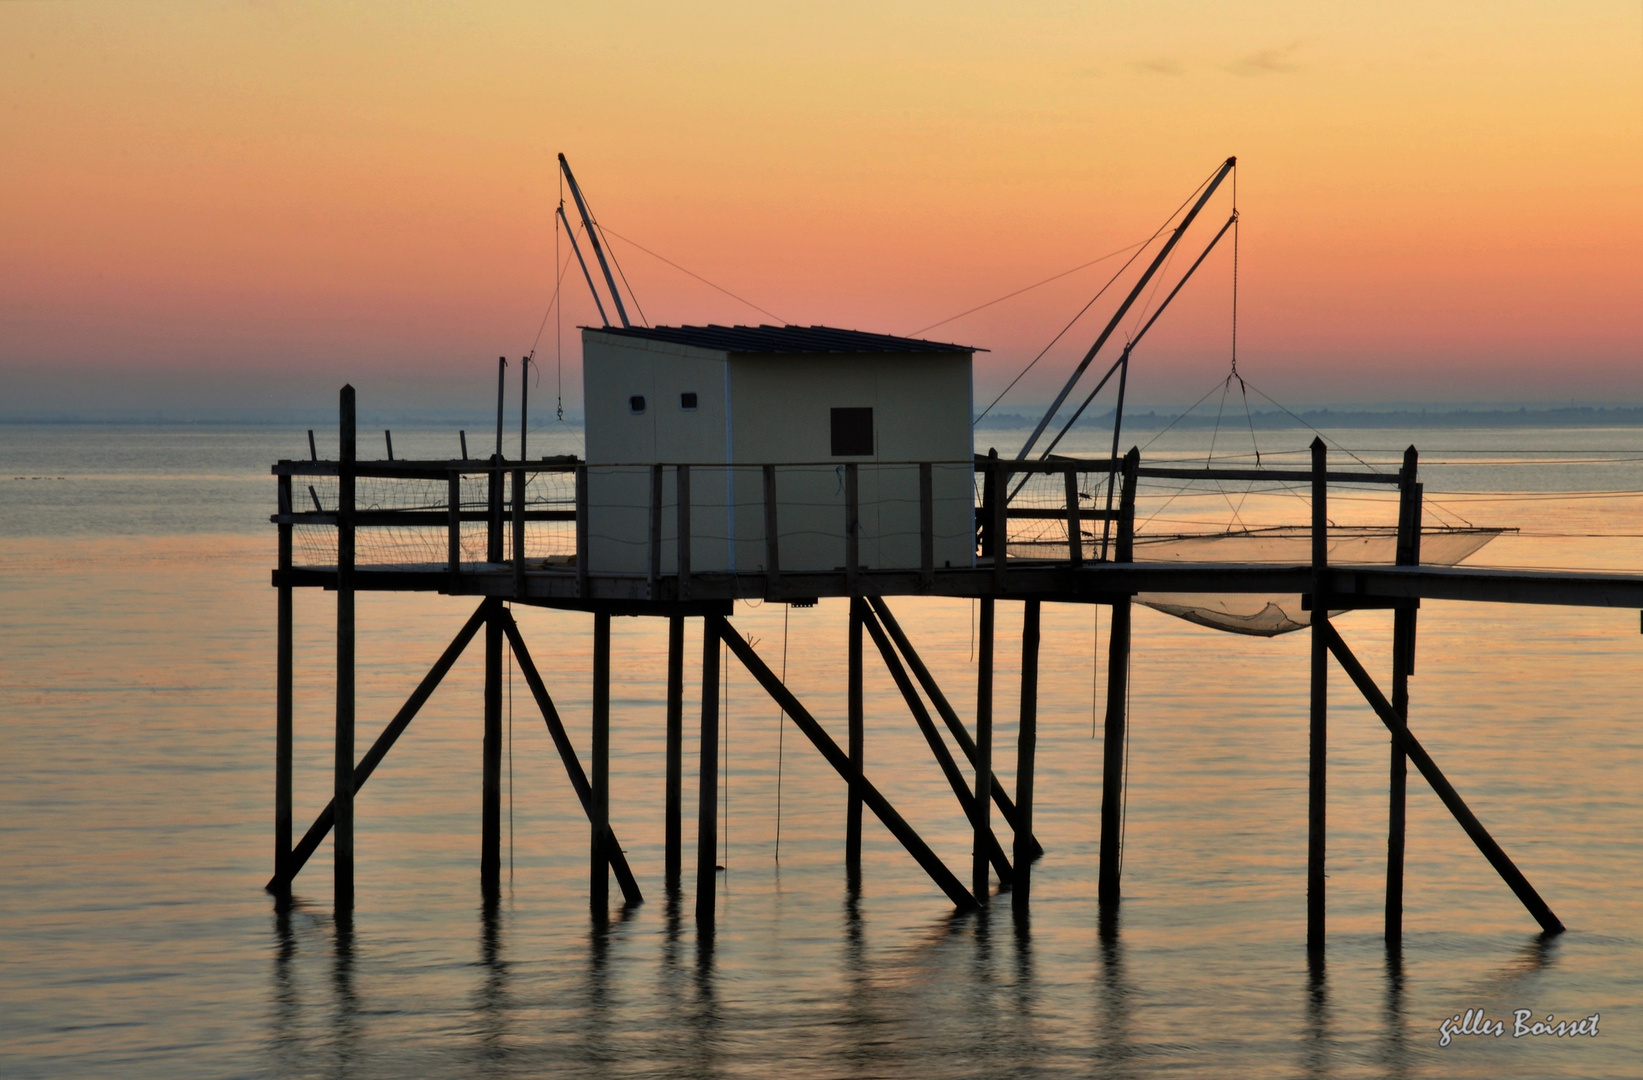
{"x":739,"y":299}
{"x":1029,"y":288}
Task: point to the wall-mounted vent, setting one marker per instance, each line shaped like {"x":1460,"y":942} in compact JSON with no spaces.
{"x":687,"y":402}
{"x":852,"y":432}
{"x":636,"y":404}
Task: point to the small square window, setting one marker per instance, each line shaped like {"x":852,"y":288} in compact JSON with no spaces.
{"x":687,"y":402}
{"x":636,"y":404}
{"x":852,"y":432}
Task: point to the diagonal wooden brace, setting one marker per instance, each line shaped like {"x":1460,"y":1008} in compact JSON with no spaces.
{"x":379,"y":749}
{"x":944,"y":758}
{"x":870,"y":795}
{"x":567,"y":753}
{"x":949,"y":716}
{"x":1440,"y":784}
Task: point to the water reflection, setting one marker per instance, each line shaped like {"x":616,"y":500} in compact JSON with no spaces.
{"x":492,"y":999}
{"x":346,"y":1028}
{"x":1114,"y":1047}
{"x":1395,"y":1055}
{"x":1317,"y":1055}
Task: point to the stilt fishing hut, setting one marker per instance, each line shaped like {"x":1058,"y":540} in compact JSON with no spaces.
{"x":790,"y":463}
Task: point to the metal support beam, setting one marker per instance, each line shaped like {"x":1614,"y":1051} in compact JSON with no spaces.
{"x":1318,"y":741}
{"x":599,"y":755}
{"x":379,"y":749}
{"x":1026,"y":752}
{"x":342,"y":792}
{"x":720,"y":628}
{"x":675,"y":748}
{"x":1492,"y":851}
{"x":944,"y":709}
{"x":567,"y":754}
{"x":981,"y":884}
{"x":707,"y":779}
{"x":938,"y":746}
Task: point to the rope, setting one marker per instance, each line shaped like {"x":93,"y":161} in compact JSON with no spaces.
{"x":692,"y":273}
{"x":1029,"y":288}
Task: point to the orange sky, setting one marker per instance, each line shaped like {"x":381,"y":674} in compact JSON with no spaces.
{"x":1441,"y":202}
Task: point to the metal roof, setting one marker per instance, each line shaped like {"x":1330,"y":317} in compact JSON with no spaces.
{"x":783,"y":339}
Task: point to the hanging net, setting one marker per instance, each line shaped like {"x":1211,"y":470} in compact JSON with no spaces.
{"x":1271,"y":615}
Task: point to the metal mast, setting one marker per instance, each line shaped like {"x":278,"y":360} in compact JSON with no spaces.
{"x":593,"y":235}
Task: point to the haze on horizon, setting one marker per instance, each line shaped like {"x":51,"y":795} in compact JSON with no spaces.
{"x":254,"y":202}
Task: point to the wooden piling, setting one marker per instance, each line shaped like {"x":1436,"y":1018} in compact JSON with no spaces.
{"x":1109,"y":886}
{"x":980,"y":882}
{"x":490,"y":805}
{"x":654,"y":574}
{"x":772,"y":537}
{"x":342,"y":793}
{"x":519,"y":531}
{"x":582,"y":547}
{"x":852,"y":526}
{"x":852,"y":817}
{"x":683,"y":498}
{"x":1317,"y":758}
{"x":493,"y":507}
{"x":926,"y":524}
{"x":1403,"y":655}
{"x":453,"y":527}
{"x":675,"y":749}
{"x":599,"y":760}
{"x":1026,"y":752}
{"x":1075,"y":527}
{"x":283,"y":669}
{"x":707,"y":804}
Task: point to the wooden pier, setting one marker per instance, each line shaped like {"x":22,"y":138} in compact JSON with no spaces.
{"x":473,"y":524}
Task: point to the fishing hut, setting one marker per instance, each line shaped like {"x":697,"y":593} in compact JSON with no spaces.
{"x":788,"y":463}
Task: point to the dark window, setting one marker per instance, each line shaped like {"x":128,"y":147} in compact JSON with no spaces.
{"x":687,"y":402}
{"x":636,"y":403}
{"x":852,"y":432}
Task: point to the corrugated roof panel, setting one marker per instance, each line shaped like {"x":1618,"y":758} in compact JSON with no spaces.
{"x":783,"y":339}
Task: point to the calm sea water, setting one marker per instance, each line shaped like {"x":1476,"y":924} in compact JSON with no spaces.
{"x":136,"y":775}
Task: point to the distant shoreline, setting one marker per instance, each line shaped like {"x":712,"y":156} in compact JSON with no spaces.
{"x":1152,"y":419}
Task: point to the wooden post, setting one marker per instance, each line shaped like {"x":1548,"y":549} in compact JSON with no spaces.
{"x":980,"y":882}
{"x":453,"y":526}
{"x":655,"y":570}
{"x":583,"y":589}
{"x":772,"y":537}
{"x":519,"y":531}
{"x":852,"y":527}
{"x":343,"y":779}
{"x":1403,"y":657}
{"x":926,"y":525}
{"x":1109,"y":887}
{"x":1317,"y":758}
{"x":1075,"y":528}
{"x":675,"y":746}
{"x":683,"y":498}
{"x":599,"y":869}
{"x":707,"y":804}
{"x":998,"y":481}
{"x":490,"y":806}
{"x":493,"y":507}
{"x":1026,"y":751}
{"x":283,"y":668}
{"x":852,"y":818}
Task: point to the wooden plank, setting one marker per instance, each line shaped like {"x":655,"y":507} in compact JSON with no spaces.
{"x":567,"y":754}
{"x":720,"y":628}
{"x":453,"y":526}
{"x":490,"y":802}
{"x":379,"y":749}
{"x":683,"y":497}
{"x":518,"y":482}
{"x":582,"y":554}
{"x":1491,"y":850}
{"x":1109,"y":885}
{"x":283,"y":676}
{"x":1075,"y":528}
{"x":655,"y":569}
{"x":1403,"y":631}
{"x":1285,"y":475}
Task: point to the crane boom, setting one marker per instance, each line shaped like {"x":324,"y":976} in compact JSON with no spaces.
{"x":593,"y":235}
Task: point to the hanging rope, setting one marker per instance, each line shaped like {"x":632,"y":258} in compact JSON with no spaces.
{"x":781,"y":729}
